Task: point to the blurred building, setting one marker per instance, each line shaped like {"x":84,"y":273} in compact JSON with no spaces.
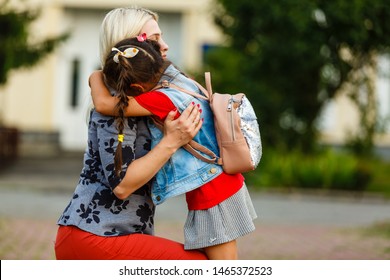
{"x":49,"y":102}
{"x":340,"y":118}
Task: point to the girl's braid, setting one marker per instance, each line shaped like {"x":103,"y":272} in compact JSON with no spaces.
{"x":124,"y":73}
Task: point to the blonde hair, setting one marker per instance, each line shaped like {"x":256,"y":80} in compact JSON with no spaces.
{"x":121,"y":23}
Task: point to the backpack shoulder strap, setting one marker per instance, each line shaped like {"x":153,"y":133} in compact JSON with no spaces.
{"x":207,"y":77}
{"x":194,"y":148}
{"x":208,"y":91}
{"x":166,"y":84}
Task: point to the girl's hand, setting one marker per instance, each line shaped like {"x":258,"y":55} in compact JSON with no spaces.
{"x":181,"y":131}
{"x":95,"y":77}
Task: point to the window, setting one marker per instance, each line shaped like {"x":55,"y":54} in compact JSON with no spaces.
{"x":75,"y":76}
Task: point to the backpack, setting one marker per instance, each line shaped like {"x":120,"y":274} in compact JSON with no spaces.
{"x":236,"y":127}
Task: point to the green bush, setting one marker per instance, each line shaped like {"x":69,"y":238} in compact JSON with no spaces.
{"x":326,"y":170}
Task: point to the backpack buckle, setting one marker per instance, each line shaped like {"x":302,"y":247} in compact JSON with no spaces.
{"x":165,"y":84}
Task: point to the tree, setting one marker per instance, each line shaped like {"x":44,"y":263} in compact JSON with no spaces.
{"x":16,"y":47}
{"x":291,"y":58}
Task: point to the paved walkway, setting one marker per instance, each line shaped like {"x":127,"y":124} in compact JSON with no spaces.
{"x":33,"y":193}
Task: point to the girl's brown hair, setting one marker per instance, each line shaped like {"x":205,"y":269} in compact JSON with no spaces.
{"x":130,"y":76}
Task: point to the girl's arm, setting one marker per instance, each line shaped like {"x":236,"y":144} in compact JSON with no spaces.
{"x":105,"y":103}
{"x":176,"y":134}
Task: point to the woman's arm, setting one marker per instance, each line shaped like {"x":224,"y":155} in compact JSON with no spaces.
{"x":105,"y":103}
{"x":176,"y":134}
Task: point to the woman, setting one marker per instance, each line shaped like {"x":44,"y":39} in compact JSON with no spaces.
{"x":99,"y":223}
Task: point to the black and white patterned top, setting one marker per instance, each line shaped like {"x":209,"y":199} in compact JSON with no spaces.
{"x":94,"y":207}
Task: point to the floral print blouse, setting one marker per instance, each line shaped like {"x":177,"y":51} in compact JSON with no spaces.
{"x":93,"y":206}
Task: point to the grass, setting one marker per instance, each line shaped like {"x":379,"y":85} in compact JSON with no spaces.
{"x":380,"y":229}
{"x":380,"y":182}
{"x":326,"y":171}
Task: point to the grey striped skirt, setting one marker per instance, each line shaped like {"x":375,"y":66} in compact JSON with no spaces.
{"x":222,"y":223}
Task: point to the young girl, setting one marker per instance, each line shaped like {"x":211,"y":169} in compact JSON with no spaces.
{"x":220,"y":209}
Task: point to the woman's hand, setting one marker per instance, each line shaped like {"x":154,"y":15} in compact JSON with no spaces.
{"x":181,"y":131}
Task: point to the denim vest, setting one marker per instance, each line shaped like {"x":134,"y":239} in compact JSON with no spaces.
{"x":184,"y":172}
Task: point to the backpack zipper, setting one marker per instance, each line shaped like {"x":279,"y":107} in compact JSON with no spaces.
{"x":229,"y":109}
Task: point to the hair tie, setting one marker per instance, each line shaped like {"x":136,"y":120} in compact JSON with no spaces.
{"x":121,"y":137}
{"x":142,"y":37}
{"x":129,"y":52}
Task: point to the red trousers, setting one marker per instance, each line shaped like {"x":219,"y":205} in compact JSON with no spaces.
{"x":75,"y":244}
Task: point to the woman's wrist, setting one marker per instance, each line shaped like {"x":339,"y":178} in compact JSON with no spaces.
{"x":168,"y":146}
